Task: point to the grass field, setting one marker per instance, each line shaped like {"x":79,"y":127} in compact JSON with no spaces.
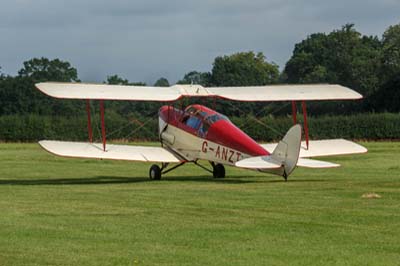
{"x":57,"y":211}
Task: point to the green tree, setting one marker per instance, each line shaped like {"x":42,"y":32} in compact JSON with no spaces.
{"x":43,"y":69}
{"x":162,"y":82}
{"x":391,"y":52}
{"x":243,"y":69}
{"x":18,"y":95}
{"x":117,"y":80}
{"x":306,"y":64}
{"x":195,"y":77}
{"x":343,"y":57}
{"x":387,"y":98}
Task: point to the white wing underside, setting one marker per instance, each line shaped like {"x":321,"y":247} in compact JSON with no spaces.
{"x":250,"y":93}
{"x":113,"y":152}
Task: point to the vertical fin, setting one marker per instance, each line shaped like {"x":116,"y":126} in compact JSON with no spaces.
{"x":288,"y":150}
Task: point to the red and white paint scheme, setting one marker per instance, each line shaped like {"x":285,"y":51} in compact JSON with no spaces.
{"x":198,"y":133}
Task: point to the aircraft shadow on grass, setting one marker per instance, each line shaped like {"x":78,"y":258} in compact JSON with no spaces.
{"x":101,"y":180}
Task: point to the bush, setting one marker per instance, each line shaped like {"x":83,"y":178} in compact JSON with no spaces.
{"x":135,"y":127}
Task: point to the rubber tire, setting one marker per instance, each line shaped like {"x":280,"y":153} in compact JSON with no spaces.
{"x":218,"y":171}
{"x":155,"y":172}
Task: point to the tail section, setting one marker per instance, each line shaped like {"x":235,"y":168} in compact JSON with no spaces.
{"x":288,"y":149}
{"x":283,"y":159}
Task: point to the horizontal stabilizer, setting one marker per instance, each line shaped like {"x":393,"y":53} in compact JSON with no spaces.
{"x":259,"y":162}
{"x":309,"y":163}
{"x":328,"y":147}
{"x":113,"y":152}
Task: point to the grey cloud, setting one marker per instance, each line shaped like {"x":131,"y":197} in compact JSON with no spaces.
{"x":143,"y":40}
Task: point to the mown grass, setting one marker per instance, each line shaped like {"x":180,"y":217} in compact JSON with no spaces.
{"x":57,"y":211}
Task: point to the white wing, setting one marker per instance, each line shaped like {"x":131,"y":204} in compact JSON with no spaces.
{"x":144,"y":93}
{"x":113,"y":152}
{"x":107,"y":92}
{"x":286,"y":93}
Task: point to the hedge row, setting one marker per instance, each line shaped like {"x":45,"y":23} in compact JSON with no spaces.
{"x":380,"y":126}
{"x":34,"y":127}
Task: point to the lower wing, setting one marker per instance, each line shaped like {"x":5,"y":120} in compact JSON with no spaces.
{"x":113,"y":152}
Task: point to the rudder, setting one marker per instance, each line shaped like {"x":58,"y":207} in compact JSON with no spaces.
{"x":288,"y":150}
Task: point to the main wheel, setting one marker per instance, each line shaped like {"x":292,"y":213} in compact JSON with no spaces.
{"x":155,"y":172}
{"x":218,"y":171}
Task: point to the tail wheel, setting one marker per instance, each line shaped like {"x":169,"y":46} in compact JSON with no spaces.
{"x":218,"y":171}
{"x":155,"y":172}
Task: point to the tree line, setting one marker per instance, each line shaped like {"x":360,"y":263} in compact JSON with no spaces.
{"x":368,"y":64}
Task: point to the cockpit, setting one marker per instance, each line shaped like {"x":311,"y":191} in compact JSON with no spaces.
{"x":200,"y":118}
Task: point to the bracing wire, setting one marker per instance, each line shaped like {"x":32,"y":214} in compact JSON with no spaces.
{"x":133,"y":121}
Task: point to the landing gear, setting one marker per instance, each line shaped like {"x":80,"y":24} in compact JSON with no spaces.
{"x":285,"y":175}
{"x":218,"y":170}
{"x":155,"y":172}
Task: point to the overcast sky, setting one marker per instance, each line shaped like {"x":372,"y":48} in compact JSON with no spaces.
{"x":145,"y":40}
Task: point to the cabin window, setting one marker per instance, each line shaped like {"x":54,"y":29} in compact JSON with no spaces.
{"x":193,"y":122}
{"x":214,"y":118}
{"x":204,"y":129}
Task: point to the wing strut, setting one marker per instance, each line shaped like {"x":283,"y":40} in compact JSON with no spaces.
{"x":103,"y":125}
{"x":303,"y":105}
{"x":89,"y":121}
{"x":294,"y":112}
{"x":294,"y":115}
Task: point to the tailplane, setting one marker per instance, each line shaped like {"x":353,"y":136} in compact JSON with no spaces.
{"x":283,"y":159}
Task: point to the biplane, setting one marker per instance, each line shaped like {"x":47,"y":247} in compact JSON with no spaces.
{"x":197,"y":133}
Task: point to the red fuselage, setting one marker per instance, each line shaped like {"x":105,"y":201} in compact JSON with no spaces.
{"x":210,"y":125}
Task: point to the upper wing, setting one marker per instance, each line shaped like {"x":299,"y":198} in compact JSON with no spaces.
{"x":286,"y":93}
{"x":328,"y":147}
{"x":144,"y":93}
{"x":113,"y":152}
{"x":107,"y":92}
